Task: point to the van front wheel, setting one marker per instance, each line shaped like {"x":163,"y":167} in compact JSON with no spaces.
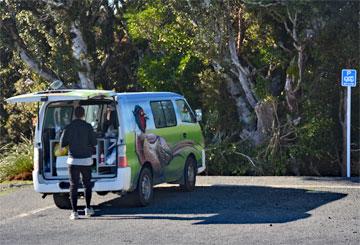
{"x":189,"y":175}
{"x":144,"y":191}
{"x":62,"y":200}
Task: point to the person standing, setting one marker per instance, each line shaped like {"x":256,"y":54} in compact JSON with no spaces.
{"x":80,"y":137}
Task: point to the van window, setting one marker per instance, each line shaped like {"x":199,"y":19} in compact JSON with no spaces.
{"x":186,"y":114}
{"x":93,"y":115}
{"x":163,"y":113}
{"x":169,"y":113}
{"x":58,"y":117}
{"x":158,"y":114}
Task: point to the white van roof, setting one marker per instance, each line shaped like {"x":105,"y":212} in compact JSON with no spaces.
{"x":84,"y":94}
{"x":62,"y":95}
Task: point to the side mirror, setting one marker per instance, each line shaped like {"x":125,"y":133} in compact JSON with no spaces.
{"x":198,"y":114}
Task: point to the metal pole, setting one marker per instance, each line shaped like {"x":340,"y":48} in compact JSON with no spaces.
{"x":348,"y":141}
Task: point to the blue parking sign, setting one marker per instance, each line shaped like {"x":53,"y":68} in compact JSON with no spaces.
{"x":348,"y":77}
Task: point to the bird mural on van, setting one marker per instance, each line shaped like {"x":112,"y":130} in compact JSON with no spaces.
{"x":154,"y":148}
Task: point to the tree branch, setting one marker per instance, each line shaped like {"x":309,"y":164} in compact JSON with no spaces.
{"x":59,"y":4}
{"x":103,"y":65}
{"x":243,"y":73}
{"x":240,"y":30}
{"x":25,"y":54}
{"x":264,"y":5}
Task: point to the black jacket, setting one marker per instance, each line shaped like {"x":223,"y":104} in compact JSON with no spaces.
{"x":80,"y":137}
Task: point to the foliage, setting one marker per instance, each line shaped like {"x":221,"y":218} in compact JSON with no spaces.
{"x":185,"y":47}
{"x":16,"y":160}
{"x":224,"y":147}
{"x":15,"y":79}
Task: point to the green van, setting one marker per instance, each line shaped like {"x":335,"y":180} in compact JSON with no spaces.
{"x":143,"y":139}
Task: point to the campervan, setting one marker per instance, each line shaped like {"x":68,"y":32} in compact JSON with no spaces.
{"x":143,"y":139}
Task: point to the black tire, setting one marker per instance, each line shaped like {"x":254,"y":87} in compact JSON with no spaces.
{"x":144,"y":192}
{"x":189,"y":175}
{"x":102,"y":193}
{"x":62,"y":200}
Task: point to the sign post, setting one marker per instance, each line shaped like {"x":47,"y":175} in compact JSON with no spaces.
{"x":348,"y":79}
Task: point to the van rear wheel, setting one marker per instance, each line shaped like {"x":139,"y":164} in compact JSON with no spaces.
{"x":144,"y":191}
{"x":62,"y":200}
{"x":102,"y":193}
{"x":189,"y":175}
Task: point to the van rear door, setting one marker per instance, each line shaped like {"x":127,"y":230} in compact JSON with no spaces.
{"x":41,"y":148}
{"x":61,"y":95}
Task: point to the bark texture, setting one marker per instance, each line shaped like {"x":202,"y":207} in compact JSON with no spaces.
{"x":294,"y":78}
{"x":290,"y":93}
{"x":256,"y":128}
{"x":80,"y":54}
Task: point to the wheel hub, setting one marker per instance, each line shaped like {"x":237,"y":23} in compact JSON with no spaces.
{"x":146,"y":187}
{"x":191,"y":174}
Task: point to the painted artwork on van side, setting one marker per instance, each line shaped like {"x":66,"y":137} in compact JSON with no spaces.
{"x":153,"y":148}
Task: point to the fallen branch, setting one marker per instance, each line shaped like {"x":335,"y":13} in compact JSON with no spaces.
{"x":246,"y":156}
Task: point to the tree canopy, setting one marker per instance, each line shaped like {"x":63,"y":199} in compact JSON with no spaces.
{"x":265,"y":73}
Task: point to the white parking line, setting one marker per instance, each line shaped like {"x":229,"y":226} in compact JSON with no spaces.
{"x":22,"y":215}
{"x":34,"y":211}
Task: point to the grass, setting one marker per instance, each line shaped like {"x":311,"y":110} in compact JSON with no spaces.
{"x":16,"y":161}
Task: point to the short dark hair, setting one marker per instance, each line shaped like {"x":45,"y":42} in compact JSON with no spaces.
{"x":79,"y":112}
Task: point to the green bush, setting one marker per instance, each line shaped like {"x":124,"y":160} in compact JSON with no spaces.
{"x":16,"y":160}
{"x":231,"y":158}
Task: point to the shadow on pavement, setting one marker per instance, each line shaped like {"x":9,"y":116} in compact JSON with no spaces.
{"x":222,"y":205}
{"x":340,"y":180}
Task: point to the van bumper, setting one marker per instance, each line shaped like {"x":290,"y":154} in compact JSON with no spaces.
{"x":120,"y":183}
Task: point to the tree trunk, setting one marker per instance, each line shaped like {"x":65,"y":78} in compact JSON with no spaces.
{"x":235,"y":91}
{"x":300,"y":63}
{"x":242,"y":72}
{"x":257,"y":130}
{"x":253,"y":116}
{"x":240,"y":33}
{"x":244,"y":113}
{"x":265,"y":113}
{"x":80,"y":54}
{"x":42,"y":71}
{"x":293,"y":80}
{"x":290,"y":93}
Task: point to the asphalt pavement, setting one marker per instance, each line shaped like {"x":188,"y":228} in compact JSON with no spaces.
{"x":222,"y":210}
